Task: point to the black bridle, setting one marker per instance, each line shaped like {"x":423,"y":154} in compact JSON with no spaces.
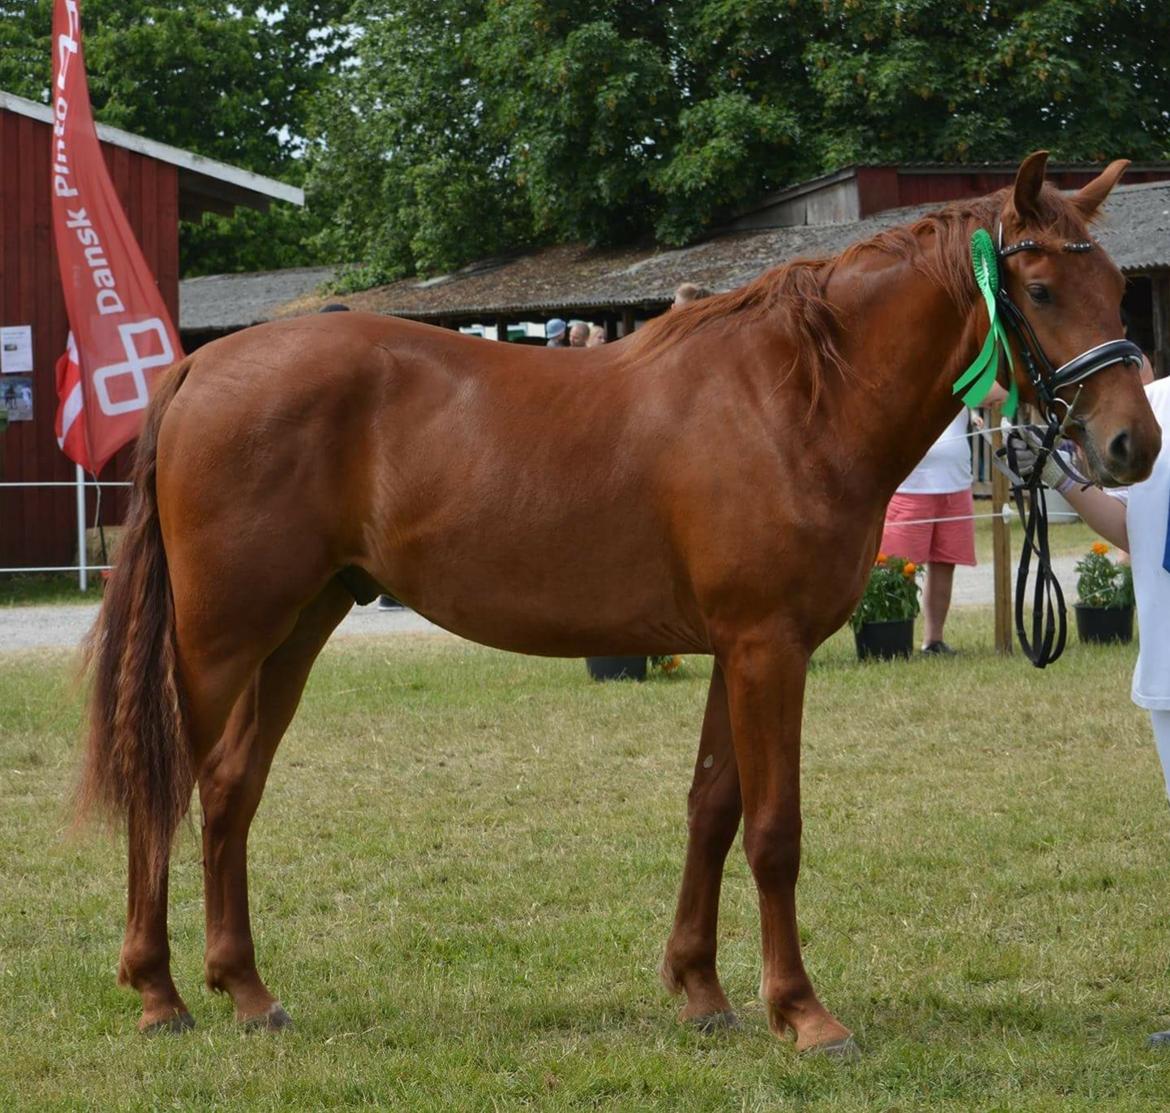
{"x":1049,"y":618}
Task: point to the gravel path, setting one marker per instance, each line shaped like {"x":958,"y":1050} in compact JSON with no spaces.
{"x":63,"y":626}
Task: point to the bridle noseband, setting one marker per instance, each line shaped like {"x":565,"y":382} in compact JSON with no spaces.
{"x":1049,"y":618}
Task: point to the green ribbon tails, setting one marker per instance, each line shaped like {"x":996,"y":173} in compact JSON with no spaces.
{"x":974,"y":384}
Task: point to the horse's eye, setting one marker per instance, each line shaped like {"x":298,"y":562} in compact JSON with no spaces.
{"x":1039,"y":294}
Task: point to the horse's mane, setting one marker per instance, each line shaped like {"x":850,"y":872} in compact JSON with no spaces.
{"x":938,"y":245}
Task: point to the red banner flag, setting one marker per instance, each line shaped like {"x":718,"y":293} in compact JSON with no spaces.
{"x":122,"y":336}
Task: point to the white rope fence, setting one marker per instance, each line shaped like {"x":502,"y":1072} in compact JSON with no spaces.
{"x":1008,"y":513}
{"x":79,"y":485}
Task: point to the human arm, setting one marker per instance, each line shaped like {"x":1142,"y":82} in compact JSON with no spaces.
{"x":1103,"y":513}
{"x":994,"y":396}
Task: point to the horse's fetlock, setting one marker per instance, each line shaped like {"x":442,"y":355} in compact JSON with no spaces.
{"x":687,"y":953}
{"x":228,"y":965}
{"x":142,"y":964}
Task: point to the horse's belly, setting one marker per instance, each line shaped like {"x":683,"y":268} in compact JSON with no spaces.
{"x":592,"y":606}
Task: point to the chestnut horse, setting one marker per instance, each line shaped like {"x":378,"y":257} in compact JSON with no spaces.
{"x":642,"y":497}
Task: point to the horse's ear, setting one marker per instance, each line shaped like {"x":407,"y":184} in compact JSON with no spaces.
{"x":1088,"y":199}
{"x":1029,"y":180}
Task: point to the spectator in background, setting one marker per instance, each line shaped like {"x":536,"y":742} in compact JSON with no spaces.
{"x":596,"y":336}
{"x":919,"y":526}
{"x":555,"y":332}
{"x":689,"y":292}
{"x":579,"y":334}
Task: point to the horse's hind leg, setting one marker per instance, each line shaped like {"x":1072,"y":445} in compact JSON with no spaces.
{"x":713,"y":813}
{"x":145,"y":961}
{"x":231,"y":782}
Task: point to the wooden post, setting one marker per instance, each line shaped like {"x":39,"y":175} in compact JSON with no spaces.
{"x":1160,"y":312}
{"x":502,"y":330}
{"x":1001,"y":549}
{"x":627,"y":322}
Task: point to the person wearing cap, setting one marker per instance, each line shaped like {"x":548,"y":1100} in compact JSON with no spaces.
{"x":555,"y":332}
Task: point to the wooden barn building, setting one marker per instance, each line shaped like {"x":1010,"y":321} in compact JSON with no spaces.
{"x":157,"y":185}
{"x":622,"y":286}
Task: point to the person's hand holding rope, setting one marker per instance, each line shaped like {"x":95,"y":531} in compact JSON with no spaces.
{"x":1023,"y":447}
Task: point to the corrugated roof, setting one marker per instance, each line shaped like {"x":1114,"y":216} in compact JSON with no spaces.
{"x":222,"y":302}
{"x":1135,"y":230}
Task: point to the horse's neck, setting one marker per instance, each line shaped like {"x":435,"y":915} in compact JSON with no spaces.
{"x":904,"y":340}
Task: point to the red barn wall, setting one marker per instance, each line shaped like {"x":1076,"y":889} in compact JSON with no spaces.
{"x":38,"y":526}
{"x":891,"y":187}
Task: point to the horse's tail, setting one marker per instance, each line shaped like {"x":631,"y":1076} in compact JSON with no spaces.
{"x":137,"y":763}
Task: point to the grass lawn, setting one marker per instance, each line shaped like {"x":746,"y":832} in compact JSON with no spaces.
{"x":1065,"y":538}
{"x":25,"y":589}
{"x":464,"y":872}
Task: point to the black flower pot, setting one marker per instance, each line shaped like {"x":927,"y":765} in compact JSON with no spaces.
{"x":1104,"y":624}
{"x":616,"y":668}
{"x":885,"y":640}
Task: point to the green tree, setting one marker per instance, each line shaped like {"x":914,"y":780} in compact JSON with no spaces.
{"x":467,"y":128}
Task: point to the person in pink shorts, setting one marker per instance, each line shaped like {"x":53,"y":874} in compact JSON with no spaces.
{"x":938,"y":488}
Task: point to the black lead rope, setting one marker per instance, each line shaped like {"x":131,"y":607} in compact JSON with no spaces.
{"x":1049,"y":616}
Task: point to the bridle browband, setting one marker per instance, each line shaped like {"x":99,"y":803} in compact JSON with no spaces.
{"x":1049,"y":618}
{"x":1046,"y":379}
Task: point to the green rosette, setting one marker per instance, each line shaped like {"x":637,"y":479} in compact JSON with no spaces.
{"x":974,"y":384}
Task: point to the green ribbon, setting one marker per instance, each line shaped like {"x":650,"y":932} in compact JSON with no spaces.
{"x":974,"y":384}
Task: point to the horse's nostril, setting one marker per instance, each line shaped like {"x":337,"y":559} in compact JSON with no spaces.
{"x":1119,"y":448}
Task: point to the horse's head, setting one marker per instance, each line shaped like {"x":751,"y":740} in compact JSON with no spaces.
{"x":1068,"y":295}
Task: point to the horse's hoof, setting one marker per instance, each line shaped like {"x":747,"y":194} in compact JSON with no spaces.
{"x":843,"y":1050}
{"x":274,"y":1020}
{"x":725,"y":1021}
{"x":180,"y":1022}
{"x":1160,"y":1040}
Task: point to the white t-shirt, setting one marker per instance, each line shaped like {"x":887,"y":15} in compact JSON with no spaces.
{"x":1145,"y":520}
{"x":946,"y":467}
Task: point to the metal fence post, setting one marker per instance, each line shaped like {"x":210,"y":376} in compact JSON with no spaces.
{"x":82,"y":555}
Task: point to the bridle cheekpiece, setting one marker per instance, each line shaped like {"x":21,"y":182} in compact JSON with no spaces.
{"x":1049,"y":625}
{"x":976,"y":382}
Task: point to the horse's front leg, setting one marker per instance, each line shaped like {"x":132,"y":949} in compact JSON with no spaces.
{"x":765,"y":674}
{"x":713,"y":813}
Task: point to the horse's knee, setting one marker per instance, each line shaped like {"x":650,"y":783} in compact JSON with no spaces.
{"x":772,"y":847}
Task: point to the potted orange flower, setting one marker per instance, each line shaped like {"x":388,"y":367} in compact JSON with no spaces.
{"x":631,"y":668}
{"x":883,"y":624}
{"x":1104,"y":597}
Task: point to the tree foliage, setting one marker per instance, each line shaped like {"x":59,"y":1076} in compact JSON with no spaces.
{"x":470,"y":126}
{"x":439,"y":131}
